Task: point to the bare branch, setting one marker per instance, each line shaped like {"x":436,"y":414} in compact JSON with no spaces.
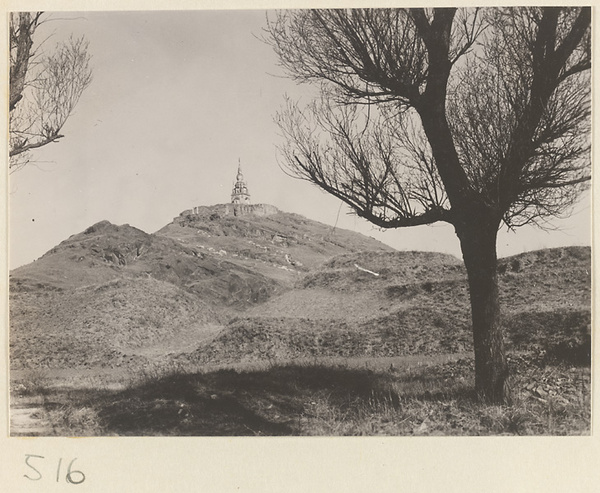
{"x":24,"y":147}
{"x":355,"y":157}
{"x":42,"y":94}
{"x":495,"y":134}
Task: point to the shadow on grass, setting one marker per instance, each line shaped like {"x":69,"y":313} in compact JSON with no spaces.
{"x":276,"y":401}
{"x":315,"y":399}
{"x":226,"y":402}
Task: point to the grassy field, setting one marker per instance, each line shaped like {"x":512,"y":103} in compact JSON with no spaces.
{"x":393,"y":396}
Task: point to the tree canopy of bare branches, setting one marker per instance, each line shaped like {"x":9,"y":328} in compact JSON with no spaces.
{"x":44,"y":87}
{"x":474,"y":117}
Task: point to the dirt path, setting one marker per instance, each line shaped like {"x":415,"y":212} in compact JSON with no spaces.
{"x":27,"y":418}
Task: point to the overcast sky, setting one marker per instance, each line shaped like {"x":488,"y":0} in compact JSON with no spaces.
{"x":177,"y":98}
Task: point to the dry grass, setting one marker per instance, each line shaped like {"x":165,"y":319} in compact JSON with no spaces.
{"x":319,"y":399}
{"x":418,"y":305}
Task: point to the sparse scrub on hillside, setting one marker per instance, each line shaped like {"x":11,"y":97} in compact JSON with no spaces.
{"x":279,"y":339}
{"x":432,"y":318}
{"x":558,"y":335}
{"x":97,"y":325}
{"x":308,"y":242}
{"x":347,"y":272}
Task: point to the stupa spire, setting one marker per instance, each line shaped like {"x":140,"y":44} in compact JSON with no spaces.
{"x":239,"y":194}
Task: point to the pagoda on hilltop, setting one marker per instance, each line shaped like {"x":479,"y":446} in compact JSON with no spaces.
{"x":239,"y":194}
{"x":239,"y":206}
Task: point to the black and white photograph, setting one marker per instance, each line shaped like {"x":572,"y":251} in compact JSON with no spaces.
{"x":300,"y":222}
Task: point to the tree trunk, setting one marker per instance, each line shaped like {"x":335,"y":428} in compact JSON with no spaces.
{"x":478,"y":244}
{"x":21,"y":41}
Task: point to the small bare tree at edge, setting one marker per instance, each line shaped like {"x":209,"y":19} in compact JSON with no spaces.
{"x":44,"y":88}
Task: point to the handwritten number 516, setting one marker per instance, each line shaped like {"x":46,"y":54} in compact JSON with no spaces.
{"x":72,"y":476}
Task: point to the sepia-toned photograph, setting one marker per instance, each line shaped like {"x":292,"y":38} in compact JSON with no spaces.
{"x":326,"y":222}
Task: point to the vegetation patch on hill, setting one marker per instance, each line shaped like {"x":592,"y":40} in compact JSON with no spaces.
{"x":99,"y":325}
{"x":413,"y":307}
{"x":562,"y":337}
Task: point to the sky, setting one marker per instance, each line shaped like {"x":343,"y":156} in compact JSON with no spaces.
{"x":177,"y":98}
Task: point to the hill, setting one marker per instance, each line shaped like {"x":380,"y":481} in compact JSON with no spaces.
{"x":216,"y":287}
{"x":108,"y":295}
{"x":105,"y":251}
{"x":406,"y":303}
{"x":267,"y":242}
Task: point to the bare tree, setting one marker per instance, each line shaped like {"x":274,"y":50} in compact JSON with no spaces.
{"x":474,"y":117}
{"x":44,"y":88}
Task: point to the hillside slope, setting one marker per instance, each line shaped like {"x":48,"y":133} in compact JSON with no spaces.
{"x":110,"y":291}
{"x":102,"y":325}
{"x":279,"y":242}
{"x":221,"y":287}
{"x":413,"y":303}
{"x":105,"y":251}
